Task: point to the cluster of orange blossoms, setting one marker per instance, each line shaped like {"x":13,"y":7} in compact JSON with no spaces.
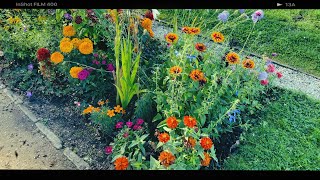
{"x":117,"y":109}
{"x":146,"y":23}
{"x":191,"y":30}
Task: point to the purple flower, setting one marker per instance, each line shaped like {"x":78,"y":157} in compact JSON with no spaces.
{"x":83,"y":74}
{"x":119,"y":125}
{"x":136,"y":127}
{"x":139,"y":122}
{"x":241,"y":11}
{"x":110,"y":67}
{"x":274,"y":54}
{"x":78,"y":20}
{"x":223,"y":16}
{"x":29,"y":94}
{"x":96,"y":55}
{"x":129,"y":124}
{"x":104,"y":62}
{"x":258,"y":15}
{"x":96,"y":62}
{"x":263,"y":76}
{"x":67,"y":16}
{"x":108,"y":149}
{"x":30,"y":67}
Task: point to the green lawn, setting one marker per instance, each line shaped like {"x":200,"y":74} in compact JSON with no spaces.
{"x":293,"y":34}
{"x":287,"y":137}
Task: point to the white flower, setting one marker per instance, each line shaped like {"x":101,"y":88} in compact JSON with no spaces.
{"x":155,"y":13}
{"x":1,"y":53}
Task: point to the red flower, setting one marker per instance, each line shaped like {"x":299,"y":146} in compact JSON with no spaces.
{"x":149,"y":15}
{"x":279,"y":74}
{"x":271,"y":68}
{"x":264,"y":82}
{"x":43,"y":54}
{"x":206,"y":143}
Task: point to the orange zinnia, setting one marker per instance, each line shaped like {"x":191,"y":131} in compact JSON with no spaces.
{"x":175,"y":70}
{"x":172,"y":38}
{"x":201,"y":47}
{"x":194,"y":31}
{"x":248,"y":63}
{"x":196,"y":75}
{"x":189,"y":121}
{"x":191,"y":143}
{"x":121,"y":163}
{"x":206,"y":143}
{"x":206,"y":160}
{"x":166,"y":158}
{"x":164,"y":137}
{"x":232,"y":58}
{"x":172,"y":122}
{"x":186,"y":29}
{"x":217,"y":37}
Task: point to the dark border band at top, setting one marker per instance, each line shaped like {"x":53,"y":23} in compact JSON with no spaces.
{"x":160,"y":4}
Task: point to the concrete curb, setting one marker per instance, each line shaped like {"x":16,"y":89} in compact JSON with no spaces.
{"x":77,"y":161}
{"x":28,"y":113}
{"x":50,"y":135}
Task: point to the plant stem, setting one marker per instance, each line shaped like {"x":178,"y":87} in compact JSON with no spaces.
{"x":247,"y":38}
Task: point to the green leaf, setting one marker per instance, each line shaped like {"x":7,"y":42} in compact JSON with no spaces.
{"x":157,"y":117}
{"x":154,"y":164}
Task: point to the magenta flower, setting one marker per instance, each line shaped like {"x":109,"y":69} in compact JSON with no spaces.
{"x":108,"y":149}
{"x":139,"y":122}
{"x":264,"y":82}
{"x":83,"y":74}
{"x":96,"y":55}
{"x":271,"y":68}
{"x":119,"y":125}
{"x":110,"y":67}
{"x":96,"y":62}
{"x":104,"y":62}
{"x":125,"y":135}
{"x":129,"y":124}
{"x":279,"y":74}
{"x":137,"y":127}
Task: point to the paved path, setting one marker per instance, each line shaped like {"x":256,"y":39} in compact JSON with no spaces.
{"x":22,"y":145}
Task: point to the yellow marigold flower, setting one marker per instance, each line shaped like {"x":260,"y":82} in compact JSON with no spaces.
{"x":232,"y":58}
{"x":248,"y":63}
{"x":88,"y":110}
{"x":76,"y":42}
{"x":146,"y":23}
{"x":86,"y":47}
{"x":68,"y":31}
{"x":217,"y":37}
{"x":172,"y":38}
{"x":56,"y":57}
{"x":101,"y":103}
{"x":111,"y":113}
{"x":14,"y":20}
{"x":74,"y":71}
{"x":118,"y":109}
{"x":66,"y":46}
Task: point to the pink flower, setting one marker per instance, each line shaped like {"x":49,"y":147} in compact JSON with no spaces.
{"x":104,"y":62}
{"x":139,"y":122}
{"x":77,"y":103}
{"x":119,"y":125}
{"x":96,"y":62}
{"x":129,"y":124}
{"x":264,"y":82}
{"x":83,"y":74}
{"x":279,"y":74}
{"x":96,"y":55}
{"x":136,"y":127}
{"x":125,"y":135}
{"x":108,"y":149}
{"x":271,"y":68}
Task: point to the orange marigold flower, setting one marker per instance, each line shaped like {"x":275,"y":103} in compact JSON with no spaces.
{"x":118,"y":109}
{"x":166,"y":158}
{"x":206,"y":143}
{"x":206,"y":160}
{"x":66,"y":46}
{"x":196,"y":75}
{"x":172,"y":122}
{"x":217,"y":37}
{"x":194,"y":31}
{"x":76,"y":42}
{"x":65,"y":39}
{"x":248,"y":63}
{"x":201,"y":47}
{"x":175,"y":70}
{"x":111,"y":113}
{"x":101,"y":103}
{"x":189,"y":121}
{"x":191,"y":143}
{"x":146,"y":23}
{"x":164,"y":137}
{"x":56,"y":57}
{"x":121,"y":163}
{"x":172,"y":38}
{"x":88,"y":110}
{"x":74,"y":71}
{"x":86,"y":47}
{"x":232,"y":58}
{"x":68,"y":31}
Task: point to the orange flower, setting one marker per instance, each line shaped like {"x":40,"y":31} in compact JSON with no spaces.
{"x":189,"y":121}
{"x":196,"y":75}
{"x":194,"y":31}
{"x":121,"y":163}
{"x":191,"y":143}
{"x":88,"y":110}
{"x":217,"y":37}
{"x":172,"y":122}
{"x":111,"y":113}
{"x":86,"y":47}
{"x":248,"y":63}
{"x":186,"y":29}
{"x":101,"y":103}
{"x":66,"y":46}
{"x":201,"y":47}
{"x":175,"y":70}
{"x":74,"y":71}
{"x":232,"y":58}
{"x":96,"y":109}
{"x":164,"y":137}
{"x":68,"y":31}
{"x":123,"y":111}
{"x":206,"y":143}
{"x":206,"y":160}
{"x":118,"y":109}
{"x":146,"y":23}
{"x":172,"y":38}
{"x":56,"y":57}
{"x":166,"y":158}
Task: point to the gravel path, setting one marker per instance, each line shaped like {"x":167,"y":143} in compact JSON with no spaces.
{"x":293,"y":80}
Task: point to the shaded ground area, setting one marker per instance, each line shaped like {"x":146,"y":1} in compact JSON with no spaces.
{"x":22,"y":146}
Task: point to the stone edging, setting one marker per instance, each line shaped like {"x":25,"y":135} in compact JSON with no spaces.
{"x":52,"y":137}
